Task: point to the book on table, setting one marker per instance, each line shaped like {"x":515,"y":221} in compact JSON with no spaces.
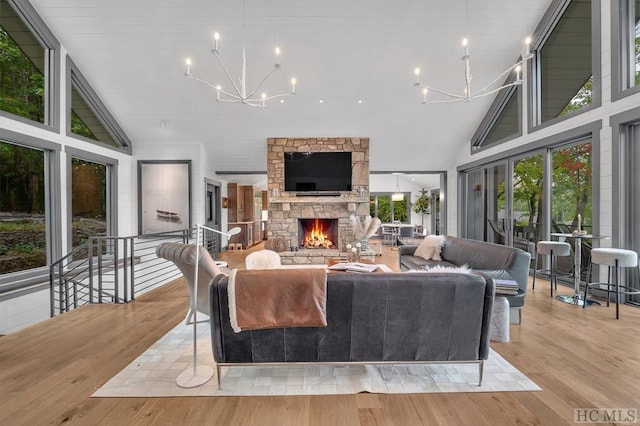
{"x":506,"y":287}
{"x":353,"y":267}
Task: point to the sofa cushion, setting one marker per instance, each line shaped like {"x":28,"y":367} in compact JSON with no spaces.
{"x":430,"y":247}
{"x":415,"y":262}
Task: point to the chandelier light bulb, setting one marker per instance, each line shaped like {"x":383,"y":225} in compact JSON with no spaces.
{"x":293,"y":86}
{"x":425,"y":91}
{"x":187,"y":70}
{"x":465,"y":42}
{"x":277,"y":51}
{"x":518,"y":69}
{"x":218,"y":88}
{"x":417,"y":74}
{"x":216,"y":37}
{"x":527,"y":41}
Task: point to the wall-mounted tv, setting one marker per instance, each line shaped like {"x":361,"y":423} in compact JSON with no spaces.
{"x":317,"y":171}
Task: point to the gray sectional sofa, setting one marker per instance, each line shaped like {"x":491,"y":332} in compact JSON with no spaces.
{"x":372,"y":318}
{"x":494,"y":260}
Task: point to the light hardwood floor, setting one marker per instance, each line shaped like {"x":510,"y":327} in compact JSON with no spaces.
{"x":582,"y":358}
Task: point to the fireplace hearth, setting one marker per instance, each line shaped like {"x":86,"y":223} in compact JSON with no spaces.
{"x":317,"y":233}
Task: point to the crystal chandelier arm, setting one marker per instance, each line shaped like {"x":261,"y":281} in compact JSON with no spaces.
{"x":262,"y":82}
{"x":238,"y":92}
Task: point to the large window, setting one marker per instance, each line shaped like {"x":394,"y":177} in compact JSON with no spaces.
{"x":27,"y":65}
{"x":544,"y":188}
{"x":88,"y":118}
{"x":23,"y":236}
{"x":566,"y":61}
{"x":388,"y":211}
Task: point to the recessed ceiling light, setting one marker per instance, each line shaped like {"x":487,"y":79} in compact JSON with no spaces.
{"x":321,"y":101}
{"x":359,"y":101}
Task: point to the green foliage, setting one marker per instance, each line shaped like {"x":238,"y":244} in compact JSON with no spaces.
{"x":583,"y":98}
{"x":384,"y":209}
{"x":79,"y":128}
{"x":421,"y":205}
{"x":3,"y":250}
{"x":25,"y":248}
{"x":21,"y":179}
{"x":22,"y":89}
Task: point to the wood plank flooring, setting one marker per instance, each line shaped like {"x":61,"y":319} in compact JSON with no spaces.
{"x":582,"y":358}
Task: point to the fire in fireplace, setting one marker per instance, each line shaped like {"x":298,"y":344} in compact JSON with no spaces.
{"x":318,"y":233}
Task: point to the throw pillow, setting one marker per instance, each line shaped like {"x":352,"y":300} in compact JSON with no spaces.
{"x":430,"y":247}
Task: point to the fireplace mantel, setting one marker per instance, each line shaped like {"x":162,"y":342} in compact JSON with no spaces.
{"x":319,"y":200}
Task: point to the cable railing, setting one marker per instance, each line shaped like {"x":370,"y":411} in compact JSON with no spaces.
{"x":115,"y":269}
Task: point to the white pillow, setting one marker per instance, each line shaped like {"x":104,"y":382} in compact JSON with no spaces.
{"x":430,"y":247}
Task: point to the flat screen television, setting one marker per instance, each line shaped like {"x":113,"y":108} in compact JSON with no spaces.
{"x":317,"y":171}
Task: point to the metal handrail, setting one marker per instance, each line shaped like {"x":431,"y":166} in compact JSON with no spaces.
{"x":114,"y":271}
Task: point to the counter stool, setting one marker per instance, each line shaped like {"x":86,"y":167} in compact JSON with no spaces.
{"x":616,"y":258}
{"x":552,"y":249}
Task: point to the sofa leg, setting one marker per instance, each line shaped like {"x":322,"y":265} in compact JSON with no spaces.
{"x":480,"y":372}
{"x":219,"y":373}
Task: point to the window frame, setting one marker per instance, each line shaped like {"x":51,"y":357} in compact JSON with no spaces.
{"x":622,"y":59}
{"x":540,"y":36}
{"x":494,"y":113}
{"x":111,"y":189}
{"x":75,"y":79}
{"x":53,"y":212}
{"x":51,"y":46}
{"x":591,"y":130}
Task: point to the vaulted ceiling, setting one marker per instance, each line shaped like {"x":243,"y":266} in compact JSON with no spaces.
{"x":133,"y":51}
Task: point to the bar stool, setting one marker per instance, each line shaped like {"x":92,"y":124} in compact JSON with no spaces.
{"x":616,"y":258}
{"x":553,"y":249}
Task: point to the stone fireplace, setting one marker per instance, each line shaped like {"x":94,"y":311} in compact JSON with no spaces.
{"x":287,"y":209}
{"x":317,"y":233}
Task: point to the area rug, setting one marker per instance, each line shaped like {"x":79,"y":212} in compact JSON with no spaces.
{"x":154,"y":373}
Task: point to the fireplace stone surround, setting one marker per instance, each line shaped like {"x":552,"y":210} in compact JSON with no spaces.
{"x":285,"y":208}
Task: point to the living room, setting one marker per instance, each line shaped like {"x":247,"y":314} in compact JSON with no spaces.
{"x":123,"y":66}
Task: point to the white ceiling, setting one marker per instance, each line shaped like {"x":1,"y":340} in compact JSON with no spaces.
{"x":133,"y":52}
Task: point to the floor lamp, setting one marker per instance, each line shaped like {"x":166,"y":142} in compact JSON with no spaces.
{"x":199,"y":375}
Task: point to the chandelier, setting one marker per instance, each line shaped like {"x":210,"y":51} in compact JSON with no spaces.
{"x":468,"y":94}
{"x":239,"y":92}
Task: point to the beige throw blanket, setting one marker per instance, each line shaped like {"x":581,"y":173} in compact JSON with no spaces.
{"x":273,"y":298}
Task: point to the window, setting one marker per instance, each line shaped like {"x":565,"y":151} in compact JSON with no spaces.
{"x":625,"y":47}
{"x":23,"y":237}
{"x":566,"y":64}
{"x":502,"y":121}
{"x":93,"y":197}
{"x":88,"y":200}
{"x":88,"y":118}
{"x":28,"y":83}
{"x":387,"y":210}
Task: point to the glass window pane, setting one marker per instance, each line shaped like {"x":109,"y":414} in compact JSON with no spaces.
{"x":507,"y":122}
{"x":84,"y":121}
{"x":22,"y":67}
{"x":22,"y":208}
{"x":565,"y":63}
{"x":89,"y":200}
{"x":571,"y":195}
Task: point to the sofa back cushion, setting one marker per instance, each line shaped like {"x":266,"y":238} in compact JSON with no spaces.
{"x":372,"y":317}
